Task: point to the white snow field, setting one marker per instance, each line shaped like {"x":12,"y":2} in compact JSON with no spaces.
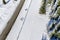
{"x":8,"y":14}
{"x":29,"y":25}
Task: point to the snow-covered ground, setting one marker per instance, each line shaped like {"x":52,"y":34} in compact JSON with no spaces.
{"x":35,"y":24}
{"x":29,"y":25}
{"x":6,"y":13}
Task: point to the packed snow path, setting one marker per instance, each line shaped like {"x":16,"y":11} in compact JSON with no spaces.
{"x":33,"y":24}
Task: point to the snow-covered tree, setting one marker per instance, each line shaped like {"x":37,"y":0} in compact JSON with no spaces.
{"x":53,"y":27}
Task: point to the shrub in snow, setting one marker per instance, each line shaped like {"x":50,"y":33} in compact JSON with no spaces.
{"x":43,"y":9}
